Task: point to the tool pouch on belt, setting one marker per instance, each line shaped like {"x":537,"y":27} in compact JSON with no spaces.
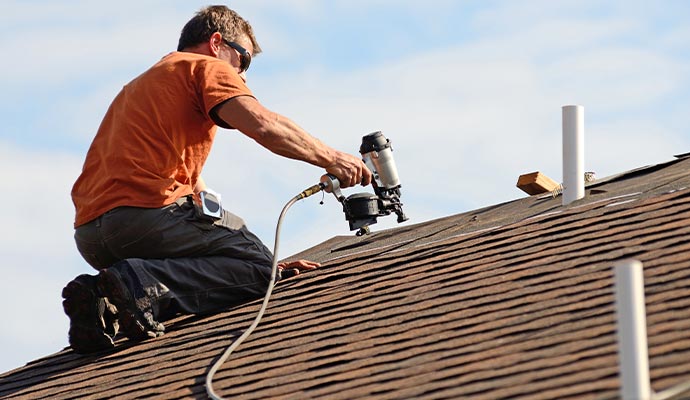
{"x":211,"y":207}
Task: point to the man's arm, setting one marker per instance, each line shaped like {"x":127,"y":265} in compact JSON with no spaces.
{"x":283,"y":137}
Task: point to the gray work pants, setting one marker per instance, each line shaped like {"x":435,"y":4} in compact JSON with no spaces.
{"x":184,"y":262}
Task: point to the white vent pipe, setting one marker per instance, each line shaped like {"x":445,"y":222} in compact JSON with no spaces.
{"x":632,"y":331}
{"x":573,"y":153}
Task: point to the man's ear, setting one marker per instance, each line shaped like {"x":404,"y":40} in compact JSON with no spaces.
{"x":214,"y":43}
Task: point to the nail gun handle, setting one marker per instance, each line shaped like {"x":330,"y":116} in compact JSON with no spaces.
{"x":331,"y":184}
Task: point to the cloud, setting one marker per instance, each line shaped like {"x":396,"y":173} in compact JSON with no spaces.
{"x":480,"y":122}
{"x":39,"y":255}
{"x":80,"y":41}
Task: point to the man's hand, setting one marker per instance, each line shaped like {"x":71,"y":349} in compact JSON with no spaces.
{"x":349,"y":170}
{"x":292,"y":268}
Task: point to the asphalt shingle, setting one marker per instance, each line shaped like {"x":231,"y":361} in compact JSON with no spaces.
{"x":509,"y":301}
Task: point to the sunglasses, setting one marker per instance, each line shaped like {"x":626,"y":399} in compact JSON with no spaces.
{"x":245,"y":57}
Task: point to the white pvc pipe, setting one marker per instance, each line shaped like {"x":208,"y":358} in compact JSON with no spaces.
{"x":573,"y":153}
{"x":632,"y":331}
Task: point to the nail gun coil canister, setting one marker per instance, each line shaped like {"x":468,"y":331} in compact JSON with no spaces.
{"x":362,"y":205}
{"x":361,"y":210}
{"x":377,"y":153}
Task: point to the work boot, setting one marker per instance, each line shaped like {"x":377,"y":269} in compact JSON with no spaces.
{"x":122,"y":288}
{"x":93,"y":320}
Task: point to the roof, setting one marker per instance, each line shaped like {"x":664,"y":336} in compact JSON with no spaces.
{"x":510,"y":301}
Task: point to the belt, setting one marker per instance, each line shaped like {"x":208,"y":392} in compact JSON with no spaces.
{"x":185,"y":199}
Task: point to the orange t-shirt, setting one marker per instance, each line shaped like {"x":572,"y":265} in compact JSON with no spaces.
{"x":156,"y":136}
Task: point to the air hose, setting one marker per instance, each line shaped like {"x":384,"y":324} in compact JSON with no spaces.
{"x":271,"y":284}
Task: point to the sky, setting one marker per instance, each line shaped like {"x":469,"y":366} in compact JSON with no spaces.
{"x":468,"y":92}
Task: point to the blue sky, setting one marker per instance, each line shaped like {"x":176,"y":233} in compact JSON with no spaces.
{"x":469,"y":92}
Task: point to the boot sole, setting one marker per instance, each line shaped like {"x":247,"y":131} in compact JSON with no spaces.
{"x":84,"y":309}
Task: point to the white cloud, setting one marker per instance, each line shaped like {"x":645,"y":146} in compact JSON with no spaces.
{"x":614,"y":79}
{"x":477,"y":123}
{"x":628,"y":144}
{"x":39,"y":255}
{"x":79,"y":41}
{"x":37,"y":204}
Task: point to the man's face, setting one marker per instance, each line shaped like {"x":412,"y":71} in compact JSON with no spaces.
{"x":238,"y":54}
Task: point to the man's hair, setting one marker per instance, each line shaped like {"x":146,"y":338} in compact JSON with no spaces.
{"x":212,"y":19}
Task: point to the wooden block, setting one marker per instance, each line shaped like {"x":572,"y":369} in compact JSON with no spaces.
{"x":536,"y":183}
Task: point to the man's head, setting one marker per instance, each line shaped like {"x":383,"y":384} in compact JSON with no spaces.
{"x":221,"y":19}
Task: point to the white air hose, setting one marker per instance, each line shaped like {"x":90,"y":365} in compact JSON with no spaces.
{"x":271,"y":284}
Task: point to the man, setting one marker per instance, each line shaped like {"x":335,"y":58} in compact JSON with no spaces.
{"x":138,"y":219}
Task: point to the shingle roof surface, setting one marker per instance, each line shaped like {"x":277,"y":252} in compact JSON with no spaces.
{"x":510,"y":301}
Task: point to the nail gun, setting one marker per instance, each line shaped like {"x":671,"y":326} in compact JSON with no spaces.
{"x":362,"y":209}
